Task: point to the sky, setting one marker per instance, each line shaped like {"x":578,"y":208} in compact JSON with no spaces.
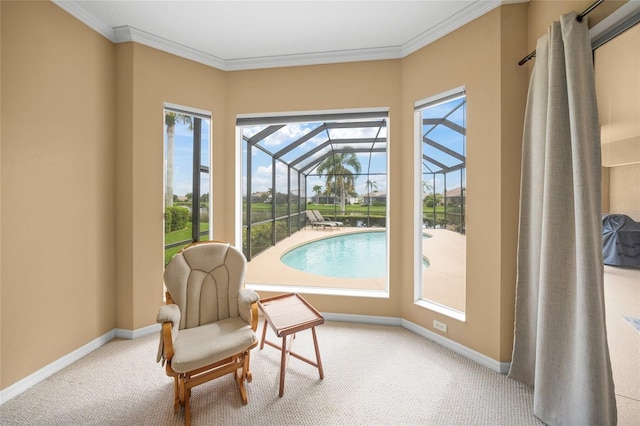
{"x":262,"y":163}
{"x":448,"y":138}
{"x":183,"y":155}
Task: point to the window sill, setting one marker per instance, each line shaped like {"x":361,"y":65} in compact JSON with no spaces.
{"x":451,"y":313}
{"x":377,"y":294}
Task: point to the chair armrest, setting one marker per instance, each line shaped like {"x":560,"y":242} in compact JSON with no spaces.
{"x":248,"y":307}
{"x":169,"y":313}
{"x":169,"y":317}
{"x":165,"y":349}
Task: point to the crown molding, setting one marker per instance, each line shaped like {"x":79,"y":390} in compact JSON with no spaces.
{"x":74,"y":9}
{"x":126,"y":34}
{"x":319,"y":58}
{"x":456,"y":21}
{"x":620,"y":20}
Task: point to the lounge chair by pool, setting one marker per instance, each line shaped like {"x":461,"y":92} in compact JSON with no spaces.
{"x":322,"y":219}
{"x":314,"y":222}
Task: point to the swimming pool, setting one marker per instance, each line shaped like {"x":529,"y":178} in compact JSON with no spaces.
{"x":354,"y":255}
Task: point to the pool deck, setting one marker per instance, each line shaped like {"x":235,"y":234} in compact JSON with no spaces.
{"x":266,"y":267}
{"x":445,"y":275}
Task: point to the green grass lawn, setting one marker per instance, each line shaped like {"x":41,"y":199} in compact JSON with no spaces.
{"x":179,"y":235}
{"x":349,"y":209}
{"x":325,"y":209}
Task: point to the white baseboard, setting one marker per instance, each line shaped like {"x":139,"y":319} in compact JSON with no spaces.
{"x":31,"y":380}
{"x":497,"y":366}
{"x":122,"y":333}
{"x":363,"y":319}
{"x":57,"y":365}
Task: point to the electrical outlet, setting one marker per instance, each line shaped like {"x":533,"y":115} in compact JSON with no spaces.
{"x":440,"y":326}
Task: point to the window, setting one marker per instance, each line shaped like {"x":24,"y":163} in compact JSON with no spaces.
{"x":297,"y":165}
{"x":187,"y":159}
{"x":440,"y":199}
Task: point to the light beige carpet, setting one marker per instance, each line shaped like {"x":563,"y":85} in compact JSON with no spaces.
{"x":374,"y":375}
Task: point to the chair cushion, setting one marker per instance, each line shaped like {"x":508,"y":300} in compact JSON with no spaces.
{"x":200,"y":346}
{"x":204,"y":280}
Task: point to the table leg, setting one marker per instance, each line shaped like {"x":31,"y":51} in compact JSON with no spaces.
{"x":318,"y":361}
{"x":283,"y":364}
{"x":264,"y":333}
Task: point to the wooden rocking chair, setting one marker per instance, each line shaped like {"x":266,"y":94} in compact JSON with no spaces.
{"x":209,"y":322}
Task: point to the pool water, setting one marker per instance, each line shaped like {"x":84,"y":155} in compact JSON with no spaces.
{"x":357,"y":255}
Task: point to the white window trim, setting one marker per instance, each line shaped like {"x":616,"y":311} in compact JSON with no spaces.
{"x":291,"y":117}
{"x":206,"y":115}
{"x":417,"y":204}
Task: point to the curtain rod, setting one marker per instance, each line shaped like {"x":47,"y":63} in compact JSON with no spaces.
{"x":579,"y":18}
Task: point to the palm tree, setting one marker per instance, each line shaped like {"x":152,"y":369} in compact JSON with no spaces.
{"x":431,"y":199}
{"x":371,"y":186}
{"x":170,"y":120}
{"x":340,"y":169}
{"x":317,"y":189}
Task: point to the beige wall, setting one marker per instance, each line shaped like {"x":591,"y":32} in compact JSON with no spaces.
{"x":624,"y":190}
{"x":147,"y":78}
{"x":0,"y":200}
{"x":58,"y":115}
{"x":542,"y":12}
{"x":496,"y":88}
{"x":81,"y":171}
{"x":330,"y":87}
{"x":514,"y":82}
{"x":617,"y":69}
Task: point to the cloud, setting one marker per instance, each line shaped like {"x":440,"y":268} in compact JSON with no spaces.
{"x":361,"y":132}
{"x":261,"y":178}
{"x":262,"y":166}
{"x":287,"y":134}
{"x":380,"y":181}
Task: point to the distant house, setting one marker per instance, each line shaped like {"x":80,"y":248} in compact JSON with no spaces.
{"x":325,"y":199}
{"x":454,"y":196}
{"x":352,"y":200}
{"x":260,"y":197}
{"x":374,"y":197}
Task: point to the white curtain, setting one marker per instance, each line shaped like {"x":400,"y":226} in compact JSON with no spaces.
{"x":560,"y":345}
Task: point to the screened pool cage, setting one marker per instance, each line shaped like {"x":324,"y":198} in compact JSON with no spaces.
{"x":444,"y":163}
{"x":333,"y":163}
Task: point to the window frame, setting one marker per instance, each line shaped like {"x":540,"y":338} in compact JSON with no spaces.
{"x":307,"y":116}
{"x":418,"y":204}
{"x":196,"y":154}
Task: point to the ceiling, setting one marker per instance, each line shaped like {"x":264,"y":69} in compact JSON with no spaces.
{"x":239,"y":35}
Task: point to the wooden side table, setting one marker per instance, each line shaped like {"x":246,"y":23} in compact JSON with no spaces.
{"x":288,"y":314}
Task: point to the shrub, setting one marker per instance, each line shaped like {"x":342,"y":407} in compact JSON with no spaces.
{"x":261,"y":236}
{"x":178,"y":218}
{"x":167,"y":220}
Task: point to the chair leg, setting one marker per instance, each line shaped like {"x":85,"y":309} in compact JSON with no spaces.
{"x":241,"y":376}
{"x":238,"y":365}
{"x":246,"y":369}
{"x":181,"y":390}
{"x":187,"y":407}
{"x":176,"y":394}
{"x":182,"y":395}
{"x":241,"y":388}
